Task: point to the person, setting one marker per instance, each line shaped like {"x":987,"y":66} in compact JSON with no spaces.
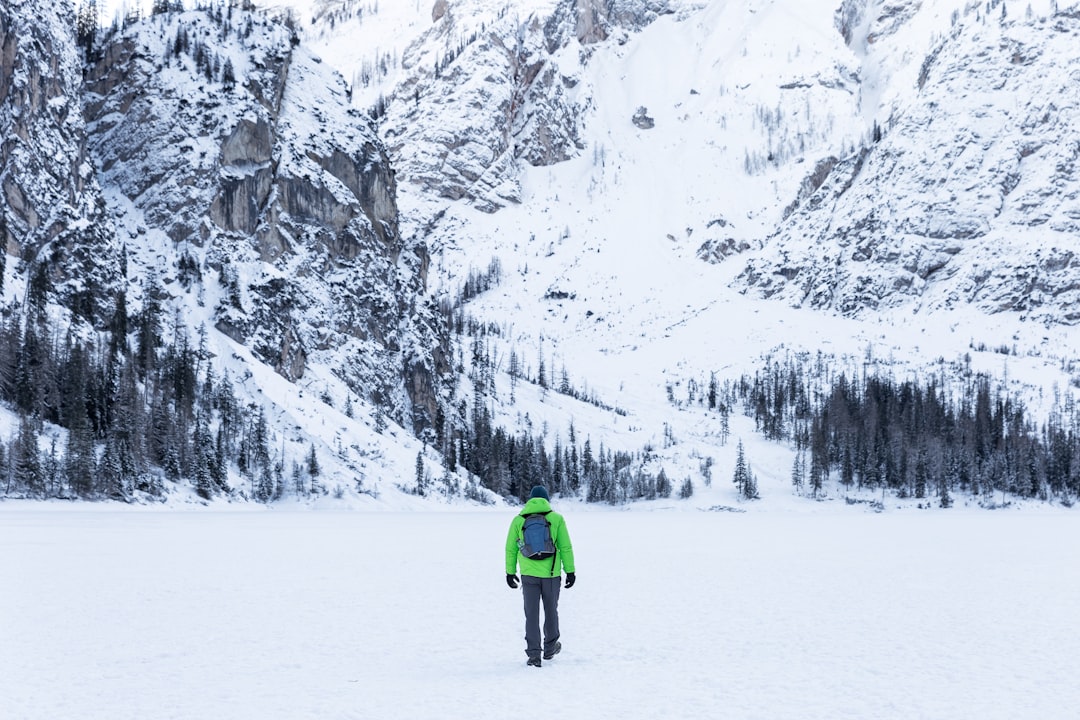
{"x":540,"y":578}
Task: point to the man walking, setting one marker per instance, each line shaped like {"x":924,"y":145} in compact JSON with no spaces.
{"x":539,"y":542}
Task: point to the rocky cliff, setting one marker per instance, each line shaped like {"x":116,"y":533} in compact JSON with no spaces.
{"x":510,"y":88}
{"x":229,"y":149}
{"x":966,"y":197}
{"x":52,"y":213}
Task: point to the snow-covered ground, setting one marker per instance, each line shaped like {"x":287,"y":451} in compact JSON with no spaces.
{"x":827,"y":613}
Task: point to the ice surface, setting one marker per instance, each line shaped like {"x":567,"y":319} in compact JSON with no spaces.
{"x":275,"y":614}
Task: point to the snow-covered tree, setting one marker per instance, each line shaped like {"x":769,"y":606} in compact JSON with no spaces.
{"x":421,"y":485}
{"x":313,"y":469}
{"x":741,"y":476}
{"x":687,"y":489}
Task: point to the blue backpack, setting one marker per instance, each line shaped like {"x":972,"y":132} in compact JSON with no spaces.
{"x":535,"y":542}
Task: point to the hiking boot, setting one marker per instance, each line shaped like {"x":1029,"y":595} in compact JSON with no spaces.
{"x":553,"y":650}
{"x":534,"y":662}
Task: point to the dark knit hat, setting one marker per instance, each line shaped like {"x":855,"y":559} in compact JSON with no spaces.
{"x":539,"y":491}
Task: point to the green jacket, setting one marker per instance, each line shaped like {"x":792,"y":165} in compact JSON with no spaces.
{"x":564,"y":551}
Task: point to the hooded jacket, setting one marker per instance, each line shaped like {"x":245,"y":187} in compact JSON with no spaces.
{"x":548,"y":567}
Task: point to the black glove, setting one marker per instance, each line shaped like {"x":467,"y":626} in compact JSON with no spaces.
{"x":571,"y":578}
{"x":512,"y":581}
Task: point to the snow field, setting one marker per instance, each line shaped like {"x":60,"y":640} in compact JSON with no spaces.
{"x":830,"y":614}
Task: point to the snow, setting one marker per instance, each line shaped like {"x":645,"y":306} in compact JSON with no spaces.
{"x":826,"y":613}
{"x":785,"y":608}
{"x":617,"y":228}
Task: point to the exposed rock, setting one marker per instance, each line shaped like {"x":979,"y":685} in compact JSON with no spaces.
{"x":592,"y":21}
{"x":642,"y":120}
{"x":716,"y":251}
{"x":438,"y":11}
{"x":51,"y":207}
{"x":936,"y":211}
{"x":285,"y":189}
{"x":514,"y":93}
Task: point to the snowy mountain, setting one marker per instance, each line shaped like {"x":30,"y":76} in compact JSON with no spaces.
{"x":53,"y":212}
{"x":544,"y":227}
{"x":970,"y":195}
{"x":223,"y":143}
{"x":641,"y":183}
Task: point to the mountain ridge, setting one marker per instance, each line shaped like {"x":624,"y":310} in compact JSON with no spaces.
{"x":560,"y":210}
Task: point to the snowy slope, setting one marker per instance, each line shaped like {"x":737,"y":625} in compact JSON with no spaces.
{"x":268,"y":180}
{"x":223,"y":145}
{"x":970,"y":196}
{"x":644,"y":172}
{"x":52,"y":209}
{"x":755,"y":107}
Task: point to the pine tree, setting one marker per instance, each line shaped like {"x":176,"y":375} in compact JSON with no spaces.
{"x":663,"y":485}
{"x":38,"y":290}
{"x":148,"y":329}
{"x":204,"y":483}
{"x":26,"y":459}
{"x":219,"y":468}
{"x":279,"y":477}
{"x":797,"y":473}
{"x":86,"y":26}
{"x":204,"y":457}
{"x":558,"y":471}
{"x":588,"y":465}
{"x":687,"y":489}
{"x":750,"y":488}
{"x":299,"y":486}
{"x":921,"y":472}
{"x":573,"y":474}
{"x":264,"y":489}
{"x":110,"y":476}
{"x":313,"y":469}
{"x":80,"y":458}
{"x":816,"y":479}
{"x":944,"y":498}
{"x":10,"y":337}
{"x":228,"y":75}
{"x":29,"y":371}
{"x":847,"y":467}
{"x":514,"y":371}
{"x":51,"y":468}
{"x":741,"y":476}
{"x":118,"y":326}
{"x":421,"y":486}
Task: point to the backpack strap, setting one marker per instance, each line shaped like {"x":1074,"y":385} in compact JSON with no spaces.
{"x":555,"y":556}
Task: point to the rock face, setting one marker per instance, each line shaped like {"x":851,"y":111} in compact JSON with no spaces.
{"x":513,"y":92}
{"x":946,"y":208}
{"x":241,"y":148}
{"x":642,"y":120}
{"x":51,"y":207}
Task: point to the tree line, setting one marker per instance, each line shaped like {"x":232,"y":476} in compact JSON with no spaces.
{"x":930,"y":436}
{"x":510,"y":464}
{"x":123,"y":412}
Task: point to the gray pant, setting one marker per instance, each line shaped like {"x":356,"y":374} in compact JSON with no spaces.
{"x":535,"y":589}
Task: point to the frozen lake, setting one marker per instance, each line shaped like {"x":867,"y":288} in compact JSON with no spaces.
{"x":289,"y":614}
